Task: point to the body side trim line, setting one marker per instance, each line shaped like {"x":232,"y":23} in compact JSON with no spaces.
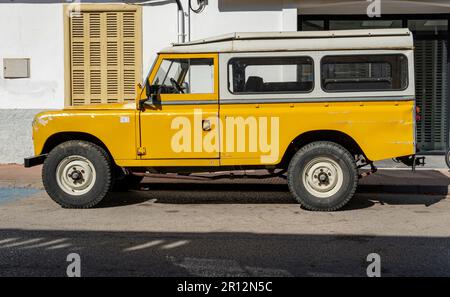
{"x":287,"y":100}
{"x":185,"y":102}
{"x":315,"y":100}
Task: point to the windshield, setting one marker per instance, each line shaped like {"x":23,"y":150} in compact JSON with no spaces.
{"x":170,"y":69}
{"x":188,"y":76}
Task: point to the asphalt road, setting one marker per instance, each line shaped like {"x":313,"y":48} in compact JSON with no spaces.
{"x":185,"y":229}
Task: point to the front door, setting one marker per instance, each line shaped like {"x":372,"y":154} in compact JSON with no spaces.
{"x":183,"y":122}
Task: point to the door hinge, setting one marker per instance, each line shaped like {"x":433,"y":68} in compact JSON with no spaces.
{"x":141,"y":151}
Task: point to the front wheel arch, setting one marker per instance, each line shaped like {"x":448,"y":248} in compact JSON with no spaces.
{"x":61,"y":137}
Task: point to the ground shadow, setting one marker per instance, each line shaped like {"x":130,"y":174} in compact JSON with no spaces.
{"x":235,"y":193}
{"x":111,"y":253}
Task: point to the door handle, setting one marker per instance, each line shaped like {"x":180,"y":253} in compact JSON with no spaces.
{"x":206,"y":125}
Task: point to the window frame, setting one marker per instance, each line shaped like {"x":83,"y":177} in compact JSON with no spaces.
{"x":276,"y":92}
{"x":214,"y":96}
{"x":367,"y":90}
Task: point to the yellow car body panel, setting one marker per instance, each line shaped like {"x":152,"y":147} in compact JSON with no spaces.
{"x":382,"y":129}
{"x":114,"y":125}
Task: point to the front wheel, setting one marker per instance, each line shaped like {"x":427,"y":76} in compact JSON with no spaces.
{"x":77,"y":174}
{"x":322,"y":176}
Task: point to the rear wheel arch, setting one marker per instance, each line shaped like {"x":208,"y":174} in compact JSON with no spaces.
{"x":338,"y":137}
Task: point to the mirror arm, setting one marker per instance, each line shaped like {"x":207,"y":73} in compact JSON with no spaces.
{"x":142,"y":102}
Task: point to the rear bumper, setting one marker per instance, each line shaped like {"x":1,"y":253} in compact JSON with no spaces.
{"x":34,"y":161}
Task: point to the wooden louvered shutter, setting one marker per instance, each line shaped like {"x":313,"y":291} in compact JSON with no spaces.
{"x":105,"y":56}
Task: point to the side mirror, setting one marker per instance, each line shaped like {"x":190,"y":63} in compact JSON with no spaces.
{"x":152,"y":94}
{"x":148,"y":89}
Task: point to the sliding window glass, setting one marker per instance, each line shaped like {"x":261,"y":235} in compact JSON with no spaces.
{"x":358,"y":73}
{"x":260,"y":75}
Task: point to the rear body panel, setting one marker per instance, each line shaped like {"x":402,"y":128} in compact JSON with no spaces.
{"x":383,"y":129}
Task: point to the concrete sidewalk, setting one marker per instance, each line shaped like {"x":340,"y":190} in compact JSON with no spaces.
{"x":398,"y":181}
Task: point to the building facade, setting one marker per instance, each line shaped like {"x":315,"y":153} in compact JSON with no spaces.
{"x":56,"y":53}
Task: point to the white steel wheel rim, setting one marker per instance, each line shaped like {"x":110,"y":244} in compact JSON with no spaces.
{"x":75,"y":175}
{"x":322,"y":177}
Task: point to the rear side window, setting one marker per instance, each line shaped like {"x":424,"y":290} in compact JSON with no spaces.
{"x":259,"y":75}
{"x":364,"y":73}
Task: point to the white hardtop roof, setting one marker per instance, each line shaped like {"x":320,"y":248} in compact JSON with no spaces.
{"x":296,"y":41}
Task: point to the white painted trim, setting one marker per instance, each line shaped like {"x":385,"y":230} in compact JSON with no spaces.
{"x":317,"y":92}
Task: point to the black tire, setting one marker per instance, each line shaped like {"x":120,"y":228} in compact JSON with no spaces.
{"x":337,"y":157}
{"x":99,"y":187}
{"x":127,"y":182}
{"x":447,"y":158}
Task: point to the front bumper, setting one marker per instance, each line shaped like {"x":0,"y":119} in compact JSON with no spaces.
{"x":34,"y":161}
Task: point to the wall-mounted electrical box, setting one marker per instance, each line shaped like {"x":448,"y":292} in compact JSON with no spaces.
{"x":16,"y":68}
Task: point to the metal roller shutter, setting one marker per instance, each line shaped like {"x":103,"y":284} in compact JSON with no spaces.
{"x":431,"y":93}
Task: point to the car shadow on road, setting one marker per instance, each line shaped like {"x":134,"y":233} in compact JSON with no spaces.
{"x":128,"y":253}
{"x":258,"y":193}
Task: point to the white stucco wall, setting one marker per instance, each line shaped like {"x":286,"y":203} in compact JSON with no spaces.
{"x":214,"y":22}
{"x":160,"y":22}
{"x":35,"y":32}
{"x":159,"y":28}
{"x":15,"y":134}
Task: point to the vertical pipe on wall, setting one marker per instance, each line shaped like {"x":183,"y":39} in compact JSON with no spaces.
{"x":181,"y":32}
{"x":188,"y":33}
{"x":181,"y":28}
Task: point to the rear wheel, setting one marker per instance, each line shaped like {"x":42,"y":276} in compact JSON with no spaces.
{"x":77,"y":174}
{"x":447,"y":158}
{"x":322,"y":176}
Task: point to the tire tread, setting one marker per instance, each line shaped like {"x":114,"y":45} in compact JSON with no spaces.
{"x":299,"y":155}
{"x":89,"y":146}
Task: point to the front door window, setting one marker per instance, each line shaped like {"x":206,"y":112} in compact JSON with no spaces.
{"x":185,"y":76}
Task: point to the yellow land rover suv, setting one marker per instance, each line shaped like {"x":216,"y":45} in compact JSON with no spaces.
{"x":314,"y":107}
